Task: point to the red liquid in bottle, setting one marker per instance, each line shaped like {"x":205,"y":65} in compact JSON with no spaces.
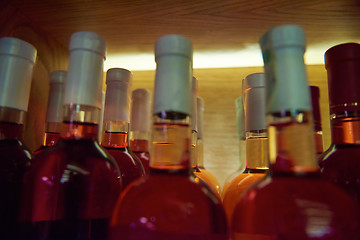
{"x":70,"y":191}
{"x":129,"y":164}
{"x":296,"y":208}
{"x":169,"y":204}
{"x":340,"y":163}
{"x":140,"y":147}
{"x":14,"y":159}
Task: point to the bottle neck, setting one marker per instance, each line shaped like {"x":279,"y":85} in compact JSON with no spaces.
{"x":200,"y":152}
{"x":139,"y":141}
{"x":52,"y":133}
{"x":171,"y":142}
{"x":11,"y":123}
{"x":115,"y":134}
{"x":291,"y":143}
{"x":257,"y":150}
{"x":345,"y":128}
{"x":194,"y":153}
{"x":319,"y":142}
{"x":80,"y":122}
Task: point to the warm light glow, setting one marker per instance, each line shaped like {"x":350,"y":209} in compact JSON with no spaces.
{"x":250,"y":56}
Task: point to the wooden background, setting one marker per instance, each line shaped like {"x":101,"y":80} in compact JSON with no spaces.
{"x":133,"y":27}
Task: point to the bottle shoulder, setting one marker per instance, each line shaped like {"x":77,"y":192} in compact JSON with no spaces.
{"x":177,"y":202}
{"x":340,"y":156}
{"x":11,"y":149}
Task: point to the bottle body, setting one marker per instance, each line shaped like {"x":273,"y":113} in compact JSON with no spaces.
{"x":339,"y":164}
{"x":15,"y":159}
{"x":169,"y":203}
{"x":292,"y":195}
{"x":70,"y":191}
{"x":129,"y":164}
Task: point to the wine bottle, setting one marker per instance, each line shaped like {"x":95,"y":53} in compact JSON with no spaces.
{"x":340,"y":163}
{"x":54,"y":111}
{"x":70,"y":190}
{"x":17,"y":59}
{"x":116,"y":125}
{"x":292,"y":201}
{"x":169,"y":204}
{"x":253,"y":87}
{"x":140,"y":119}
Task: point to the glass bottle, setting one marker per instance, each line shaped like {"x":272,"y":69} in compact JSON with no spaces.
{"x":116,"y":124}
{"x":169,"y":204}
{"x":253,"y":87}
{"x":340,"y":163}
{"x":240,"y":127}
{"x":70,"y":190}
{"x":140,"y":119}
{"x":54,"y":111}
{"x":17,"y":59}
{"x":318,"y":134}
{"x":200,"y":171}
{"x":292,"y":202}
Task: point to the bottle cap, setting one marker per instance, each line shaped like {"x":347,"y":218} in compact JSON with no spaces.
{"x":17,"y":59}
{"x":254,"y":102}
{"x":85,"y":72}
{"x":342,"y":63}
{"x":200,"y":116}
{"x":117,"y":98}
{"x":240,"y":118}
{"x":315,"y":100}
{"x":56,"y":95}
{"x":173,"y":55}
{"x":286,"y":80}
{"x":140,"y":110}
{"x":88,"y":41}
{"x":173,"y":45}
{"x":283,"y":36}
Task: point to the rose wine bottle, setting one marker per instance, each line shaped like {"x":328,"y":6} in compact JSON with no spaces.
{"x":318,"y":134}
{"x":116,"y":125}
{"x":54,"y":113}
{"x":140,"y":119}
{"x":253,"y":88}
{"x":71,"y":189}
{"x":200,"y":170}
{"x":292,"y":202}
{"x":340,"y":163}
{"x":169,"y":204}
{"x":17,"y":59}
{"x":240,"y":127}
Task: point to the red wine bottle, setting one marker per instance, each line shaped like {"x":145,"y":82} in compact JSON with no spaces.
{"x":140,"y":119}
{"x":340,"y":163}
{"x":292,"y":201}
{"x":17,"y":59}
{"x":71,"y":189}
{"x":116,"y":125}
{"x":169,"y":204}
